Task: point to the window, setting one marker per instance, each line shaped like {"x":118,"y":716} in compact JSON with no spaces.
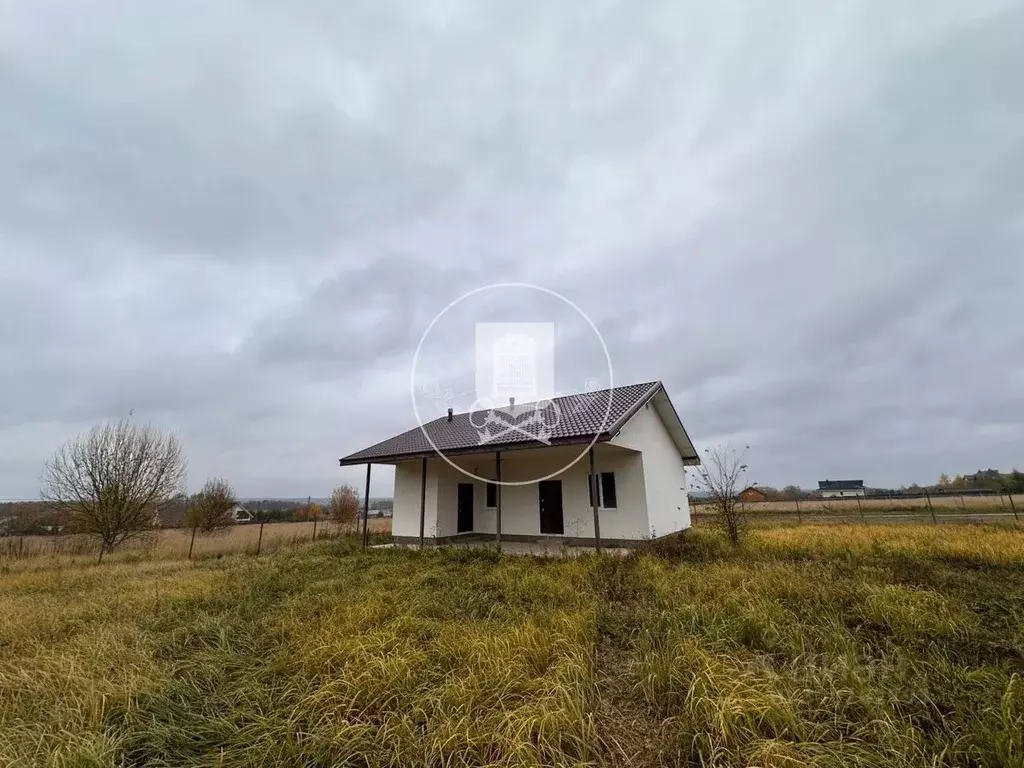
{"x":605,"y":490}
{"x":608,"y":490}
{"x":492,"y":495}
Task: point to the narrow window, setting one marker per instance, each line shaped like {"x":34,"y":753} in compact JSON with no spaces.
{"x":492,"y":495}
{"x":608,"y":490}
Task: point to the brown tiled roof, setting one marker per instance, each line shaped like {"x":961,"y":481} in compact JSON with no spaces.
{"x":568,"y":419}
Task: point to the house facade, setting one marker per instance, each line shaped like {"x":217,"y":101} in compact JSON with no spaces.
{"x":834,"y":489}
{"x":240,"y":514}
{"x":751,"y":495}
{"x":631,"y":436}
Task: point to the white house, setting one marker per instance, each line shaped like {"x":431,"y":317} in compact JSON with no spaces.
{"x":523,"y":473}
{"x":833,"y":489}
{"x":240,"y":514}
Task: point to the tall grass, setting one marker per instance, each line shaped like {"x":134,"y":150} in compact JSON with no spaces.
{"x":874,"y":647}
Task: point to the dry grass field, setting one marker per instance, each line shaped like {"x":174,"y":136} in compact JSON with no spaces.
{"x":174,"y":542}
{"x":850,"y":506}
{"x":834,"y":645}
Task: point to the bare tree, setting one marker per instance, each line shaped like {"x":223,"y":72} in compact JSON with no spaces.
{"x":720,"y":475}
{"x":791,"y":492}
{"x":209,"y":510}
{"x":112,"y":480}
{"x":344,"y":505}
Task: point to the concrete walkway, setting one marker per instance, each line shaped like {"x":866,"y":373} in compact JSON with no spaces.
{"x":532,"y":548}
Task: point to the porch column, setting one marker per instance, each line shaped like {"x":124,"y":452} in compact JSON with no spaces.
{"x":366,"y":508}
{"x":423,"y":500}
{"x":497,"y":461}
{"x":593,"y":501}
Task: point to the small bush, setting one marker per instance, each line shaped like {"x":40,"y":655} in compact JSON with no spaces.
{"x":688,"y":546}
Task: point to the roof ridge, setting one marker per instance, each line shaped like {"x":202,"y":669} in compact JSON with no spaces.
{"x":648,"y":384}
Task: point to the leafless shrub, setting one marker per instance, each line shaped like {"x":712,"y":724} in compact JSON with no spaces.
{"x":343,"y":507}
{"x":209,"y":510}
{"x":111,"y":480}
{"x":720,"y":475}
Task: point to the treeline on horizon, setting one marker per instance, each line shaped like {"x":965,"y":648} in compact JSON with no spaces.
{"x":990,"y":480}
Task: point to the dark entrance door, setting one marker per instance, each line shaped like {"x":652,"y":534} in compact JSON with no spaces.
{"x":465,"y":507}
{"x":550,"y":492}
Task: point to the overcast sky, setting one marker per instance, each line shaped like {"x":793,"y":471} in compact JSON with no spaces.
{"x":238,"y":219}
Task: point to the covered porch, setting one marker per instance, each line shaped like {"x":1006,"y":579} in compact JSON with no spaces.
{"x":552,"y":496}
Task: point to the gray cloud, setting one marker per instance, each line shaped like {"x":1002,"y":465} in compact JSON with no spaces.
{"x":238,"y":221}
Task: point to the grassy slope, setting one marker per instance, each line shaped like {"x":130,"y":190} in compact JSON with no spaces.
{"x":838,"y":645}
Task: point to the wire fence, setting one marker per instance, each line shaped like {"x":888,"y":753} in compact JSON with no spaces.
{"x":923,"y":507}
{"x":184,"y":543}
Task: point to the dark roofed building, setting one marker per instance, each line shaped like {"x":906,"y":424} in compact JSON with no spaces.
{"x":447,"y":472}
{"x":839,"y":488}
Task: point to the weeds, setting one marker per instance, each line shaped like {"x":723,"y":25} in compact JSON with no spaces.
{"x":810,"y":646}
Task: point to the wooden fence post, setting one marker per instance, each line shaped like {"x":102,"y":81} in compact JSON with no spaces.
{"x":259,"y":541}
{"x":799,"y":517}
{"x":1013,"y":507}
{"x":192,"y":543}
{"x":860,"y":509}
{"x":930,"y":508}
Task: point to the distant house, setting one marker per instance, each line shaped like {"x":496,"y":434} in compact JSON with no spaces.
{"x":240,"y":514}
{"x":830,"y":489}
{"x":381,"y":511}
{"x":751,"y":495}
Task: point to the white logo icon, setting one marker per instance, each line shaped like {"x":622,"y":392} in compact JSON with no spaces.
{"x":514,"y":400}
{"x":515,"y":378}
{"x":515,"y":362}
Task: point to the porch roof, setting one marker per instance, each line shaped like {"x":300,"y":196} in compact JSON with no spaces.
{"x":563,"y":420}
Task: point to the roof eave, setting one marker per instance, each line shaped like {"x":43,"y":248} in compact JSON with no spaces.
{"x":689,"y":460}
{"x":395,"y":458}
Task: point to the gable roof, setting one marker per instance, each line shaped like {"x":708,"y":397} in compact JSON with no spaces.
{"x":564,"y":420}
